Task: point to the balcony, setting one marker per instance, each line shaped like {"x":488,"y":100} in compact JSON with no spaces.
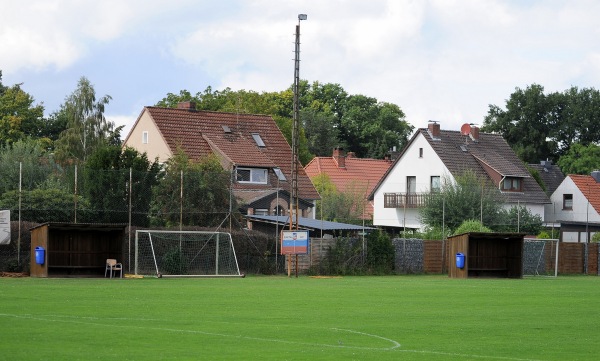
{"x":404,"y":200}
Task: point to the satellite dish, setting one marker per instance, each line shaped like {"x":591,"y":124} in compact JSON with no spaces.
{"x":465,"y":129}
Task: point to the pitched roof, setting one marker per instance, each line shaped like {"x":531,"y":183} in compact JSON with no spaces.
{"x":358,"y":174}
{"x":460,"y":153}
{"x":589,"y":187}
{"x":550,"y":175}
{"x":199,"y":133}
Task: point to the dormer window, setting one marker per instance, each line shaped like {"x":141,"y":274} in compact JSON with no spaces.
{"x":251,"y":175}
{"x":512,"y":184}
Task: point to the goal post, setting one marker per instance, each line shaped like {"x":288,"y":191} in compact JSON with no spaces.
{"x":185,"y":254}
{"x":540,"y":257}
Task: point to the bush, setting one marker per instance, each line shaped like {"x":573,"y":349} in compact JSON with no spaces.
{"x":596,"y":237}
{"x":471,"y":225}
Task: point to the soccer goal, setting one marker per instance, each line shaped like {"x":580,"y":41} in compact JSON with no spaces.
{"x":185,"y":254}
{"x":540,"y":257}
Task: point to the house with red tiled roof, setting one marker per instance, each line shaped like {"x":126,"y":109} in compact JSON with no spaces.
{"x":433,"y":155}
{"x":350,"y":174}
{"x":576,"y":207}
{"x":251,"y":146}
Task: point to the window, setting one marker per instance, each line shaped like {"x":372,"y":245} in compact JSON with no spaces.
{"x":420,"y":152}
{"x":251,"y":175}
{"x":261,"y":212}
{"x":435,"y":183}
{"x":258,"y":140}
{"x":512,"y":184}
{"x":411,"y":184}
{"x":567,"y":201}
{"x":145,"y":137}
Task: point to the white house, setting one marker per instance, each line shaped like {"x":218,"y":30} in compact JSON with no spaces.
{"x":576,"y":206}
{"x":432,"y":155}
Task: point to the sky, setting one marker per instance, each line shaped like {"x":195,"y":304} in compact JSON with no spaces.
{"x":442,"y":60}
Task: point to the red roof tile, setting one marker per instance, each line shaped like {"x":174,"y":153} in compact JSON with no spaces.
{"x":200,"y":133}
{"x":589,"y":187}
{"x":361,"y":174}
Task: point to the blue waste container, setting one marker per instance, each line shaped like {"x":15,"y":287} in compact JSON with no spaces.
{"x":40,"y":255}
{"x":460,"y":260}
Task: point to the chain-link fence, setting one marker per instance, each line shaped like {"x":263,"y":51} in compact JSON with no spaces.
{"x":202,"y":200}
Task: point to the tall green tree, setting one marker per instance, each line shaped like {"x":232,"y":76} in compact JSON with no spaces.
{"x":320,"y":130}
{"x":468,"y":197}
{"x":580,"y":159}
{"x":192,"y":193}
{"x":19,"y":117}
{"x":114,"y":177}
{"x":544,"y":126}
{"x":87,"y":129}
{"x":28,"y":157}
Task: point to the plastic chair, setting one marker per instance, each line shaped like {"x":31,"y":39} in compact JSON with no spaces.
{"x":112,"y":265}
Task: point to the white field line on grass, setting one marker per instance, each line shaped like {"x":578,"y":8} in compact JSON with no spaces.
{"x":395,"y":345}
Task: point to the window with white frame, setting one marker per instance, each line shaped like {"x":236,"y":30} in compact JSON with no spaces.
{"x":512,"y":184}
{"x":251,"y":175}
{"x":145,"y":137}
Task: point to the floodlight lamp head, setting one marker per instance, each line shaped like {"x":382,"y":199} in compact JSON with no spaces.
{"x":302,"y":17}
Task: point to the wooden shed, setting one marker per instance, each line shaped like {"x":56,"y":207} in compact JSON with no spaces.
{"x":486,"y":255}
{"x":74,"y":249}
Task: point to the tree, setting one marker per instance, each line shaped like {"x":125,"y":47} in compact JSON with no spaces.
{"x":19,"y":118}
{"x":580,"y":159}
{"x":544,"y":126}
{"x":87,"y":126}
{"x":525,"y":124}
{"x":468,"y":197}
{"x":320,"y":130}
{"x":29,"y":157}
{"x":518,"y":219}
{"x":106,"y":184}
{"x":205,"y":197}
{"x":343,"y":206}
{"x":371,"y":129}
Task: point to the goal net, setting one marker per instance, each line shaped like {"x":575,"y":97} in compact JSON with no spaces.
{"x":185,"y":254}
{"x":540,"y":257}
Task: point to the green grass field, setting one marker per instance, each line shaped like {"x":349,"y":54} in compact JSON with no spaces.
{"x":280,"y":318}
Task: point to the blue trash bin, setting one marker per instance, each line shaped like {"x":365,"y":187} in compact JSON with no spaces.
{"x":40,"y":255}
{"x":460,"y":260}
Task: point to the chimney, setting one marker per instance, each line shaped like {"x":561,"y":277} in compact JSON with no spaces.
{"x":189,"y":105}
{"x":474,"y":133}
{"x":350,"y":155}
{"x":596,"y":176}
{"x":434,"y":130}
{"x":547,"y":164}
{"x":338,"y":156}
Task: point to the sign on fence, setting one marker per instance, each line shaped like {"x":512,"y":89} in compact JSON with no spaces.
{"x":294,"y":242}
{"x":4,"y":227}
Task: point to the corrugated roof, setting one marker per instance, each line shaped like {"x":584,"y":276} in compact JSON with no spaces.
{"x":200,"y":133}
{"x":310,"y":224}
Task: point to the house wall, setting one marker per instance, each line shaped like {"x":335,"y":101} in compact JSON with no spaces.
{"x":581,"y":212}
{"x":410,"y":164}
{"x":156,"y":146}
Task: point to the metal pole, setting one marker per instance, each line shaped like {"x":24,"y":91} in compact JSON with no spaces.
{"x":130,"y":210}
{"x":20,"y":198}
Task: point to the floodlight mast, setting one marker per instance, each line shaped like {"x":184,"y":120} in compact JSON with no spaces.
{"x":294,"y":204}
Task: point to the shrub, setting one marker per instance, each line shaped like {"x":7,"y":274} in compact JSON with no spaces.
{"x":471,"y":225}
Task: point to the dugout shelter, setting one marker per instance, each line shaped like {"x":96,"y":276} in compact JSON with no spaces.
{"x":74,"y":249}
{"x":497,"y":255}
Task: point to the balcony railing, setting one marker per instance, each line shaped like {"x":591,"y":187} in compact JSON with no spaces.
{"x":402,"y":200}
